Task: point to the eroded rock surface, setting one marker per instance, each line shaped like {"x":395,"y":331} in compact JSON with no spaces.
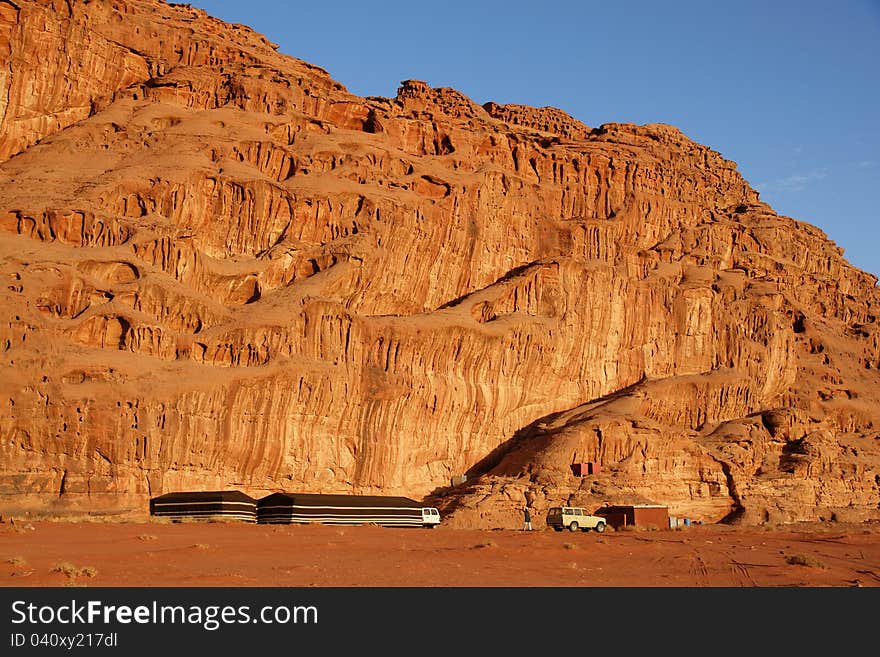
{"x":222,"y":269}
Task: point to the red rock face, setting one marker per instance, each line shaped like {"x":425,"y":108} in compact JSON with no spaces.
{"x":223,"y":270}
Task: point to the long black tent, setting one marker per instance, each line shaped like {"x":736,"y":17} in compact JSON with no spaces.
{"x":302,"y":508}
{"x":205,"y":505}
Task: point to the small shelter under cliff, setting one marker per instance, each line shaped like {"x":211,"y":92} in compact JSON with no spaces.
{"x":205,"y":505}
{"x":642,"y":515}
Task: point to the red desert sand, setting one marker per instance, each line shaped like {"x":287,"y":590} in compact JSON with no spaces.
{"x":222,"y":269}
{"x":42,"y":553}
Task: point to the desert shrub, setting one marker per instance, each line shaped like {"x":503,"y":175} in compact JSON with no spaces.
{"x":72,"y":572}
{"x":639,"y":528}
{"x":804,"y":560}
{"x":65,"y":568}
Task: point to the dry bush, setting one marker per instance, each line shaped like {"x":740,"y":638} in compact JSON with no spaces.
{"x":78,"y":517}
{"x":569,"y":546}
{"x":72,"y":572}
{"x":201,"y":546}
{"x":16,"y":561}
{"x":639,"y":528}
{"x":485,"y":544}
{"x":804,"y":560}
{"x":65,"y":568}
{"x":147,"y":537}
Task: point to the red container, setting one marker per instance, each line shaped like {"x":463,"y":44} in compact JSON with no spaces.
{"x":583,"y":469}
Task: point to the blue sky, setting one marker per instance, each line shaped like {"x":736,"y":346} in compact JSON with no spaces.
{"x":788,"y":90}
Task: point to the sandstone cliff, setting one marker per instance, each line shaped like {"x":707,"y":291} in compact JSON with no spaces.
{"x":222,"y":269}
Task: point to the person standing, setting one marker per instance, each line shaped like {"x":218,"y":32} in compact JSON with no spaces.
{"x":527,"y":519}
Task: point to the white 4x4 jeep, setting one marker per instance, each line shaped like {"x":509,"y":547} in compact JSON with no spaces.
{"x":572,"y":518}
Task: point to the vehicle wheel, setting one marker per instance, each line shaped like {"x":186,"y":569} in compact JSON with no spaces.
{"x":573,"y":527}
{"x":600,"y":527}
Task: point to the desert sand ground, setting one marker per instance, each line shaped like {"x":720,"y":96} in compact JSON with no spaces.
{"x":146,"y":554}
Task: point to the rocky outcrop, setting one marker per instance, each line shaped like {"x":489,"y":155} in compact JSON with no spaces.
{"x":224,"y":270}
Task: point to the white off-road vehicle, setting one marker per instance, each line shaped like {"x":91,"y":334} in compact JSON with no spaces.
{"x":573,"y":519}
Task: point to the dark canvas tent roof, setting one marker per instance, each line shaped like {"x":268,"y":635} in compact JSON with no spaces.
{"x":205,"y":496}
{"x":194,"y":505}
{"x":317,"y":499}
